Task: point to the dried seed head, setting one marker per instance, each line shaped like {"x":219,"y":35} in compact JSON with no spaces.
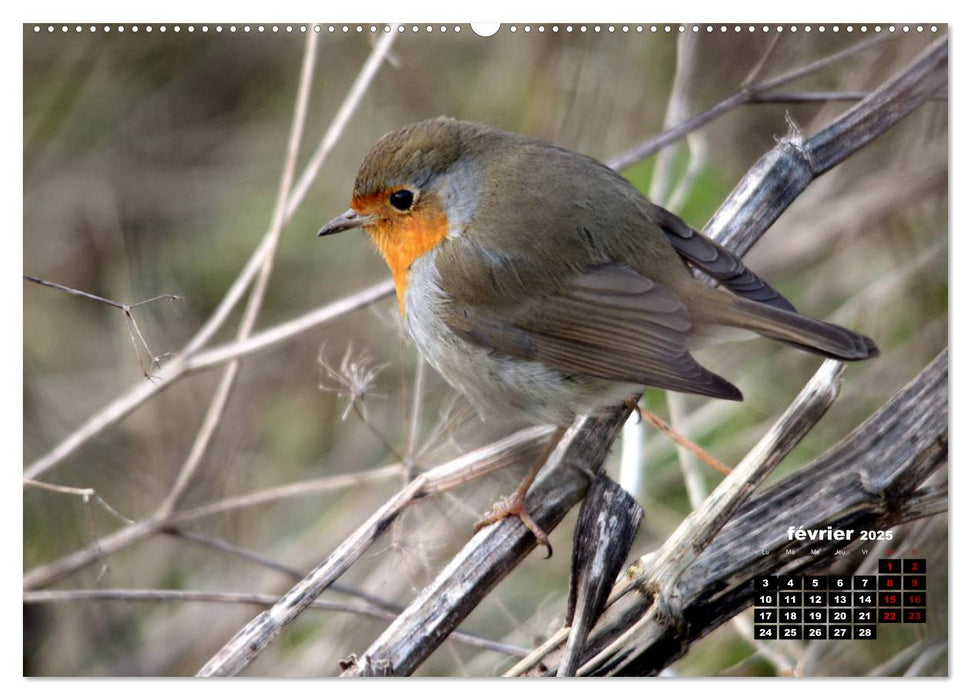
{"x":353,"y":379}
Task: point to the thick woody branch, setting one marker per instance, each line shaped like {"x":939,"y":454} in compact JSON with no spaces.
{"x":867,"y":481}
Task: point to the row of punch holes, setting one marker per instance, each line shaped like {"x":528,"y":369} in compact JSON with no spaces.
{"x":486,"y":30}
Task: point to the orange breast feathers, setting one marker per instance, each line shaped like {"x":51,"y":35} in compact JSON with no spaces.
{"x":403,"y":237}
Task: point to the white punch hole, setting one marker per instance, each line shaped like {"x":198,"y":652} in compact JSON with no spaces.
{"x":485,"y":28}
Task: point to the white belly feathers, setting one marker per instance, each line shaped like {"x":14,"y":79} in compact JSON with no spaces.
{"x":492,"y":381}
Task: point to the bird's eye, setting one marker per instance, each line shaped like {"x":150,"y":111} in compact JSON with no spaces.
{"x":402,"y":199}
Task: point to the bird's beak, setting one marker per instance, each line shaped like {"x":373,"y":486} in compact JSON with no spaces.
{"x":348,"y":220}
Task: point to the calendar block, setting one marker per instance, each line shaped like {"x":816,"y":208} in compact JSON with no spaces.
{"x":817,"y":607}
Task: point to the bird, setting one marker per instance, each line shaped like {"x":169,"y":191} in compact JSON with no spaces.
{"x":540,"y":282}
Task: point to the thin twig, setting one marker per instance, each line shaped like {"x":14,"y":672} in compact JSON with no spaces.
{"x":95,"y":297}
{"x":684,"y":442}
{"x":762,"y":62}
{"x":134,"y":332}
{"x":678,"y":110}
{"x":741,"y":96}
{"x":270,"y":337}
{"x":821,"y":96}
{"x":688,"y":461}
{"x":86,"y":495}
{"x":260,"y":599}
{"x":252,"y":556}
{"x":300,"y":489}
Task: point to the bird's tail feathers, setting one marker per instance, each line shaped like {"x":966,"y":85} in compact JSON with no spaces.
{"x":793,"y":328}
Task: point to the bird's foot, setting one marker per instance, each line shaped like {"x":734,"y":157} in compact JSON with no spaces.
{"x":515,"y":505}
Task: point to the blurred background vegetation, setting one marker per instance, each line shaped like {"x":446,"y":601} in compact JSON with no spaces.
{"x":151,"y":166}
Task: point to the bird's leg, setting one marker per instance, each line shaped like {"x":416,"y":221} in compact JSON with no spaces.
{"x":677,"y":437}
{"x":515,"y":503}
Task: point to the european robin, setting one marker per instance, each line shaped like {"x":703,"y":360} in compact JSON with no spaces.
{"x":539,"y":280}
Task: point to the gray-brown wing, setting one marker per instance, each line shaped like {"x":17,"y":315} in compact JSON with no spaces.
{"x":610,"y":322}
{"x":719,"y":262}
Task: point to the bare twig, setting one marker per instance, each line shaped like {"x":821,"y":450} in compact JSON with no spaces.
{"x":741,"y":96}
{"x":678,"y":110}
{"x":260,"y":599}
{"x":95,"y":297}
{"x":134,"y":332}
{"x":684,"y":442}
{"x":819,"y":96}
{"x":86,"y":495}
{"x":266,"y":339}
{"x":252,"y":556}
{"x":300,"y":489}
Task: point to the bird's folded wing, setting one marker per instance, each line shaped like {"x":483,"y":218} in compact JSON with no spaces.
{"x":719,"y":262}
{"x":609,"y":322}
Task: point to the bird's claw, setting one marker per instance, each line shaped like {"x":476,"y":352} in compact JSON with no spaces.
{"x":515,"y":505}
